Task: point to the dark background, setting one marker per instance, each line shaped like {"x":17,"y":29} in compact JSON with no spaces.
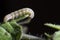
{"x":41,"y":14}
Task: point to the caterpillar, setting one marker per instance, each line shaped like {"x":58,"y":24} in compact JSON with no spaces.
{"x":11,"y":30}
{"x":27,"y":12}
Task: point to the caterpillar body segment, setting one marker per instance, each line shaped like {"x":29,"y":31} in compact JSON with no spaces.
{"x":20,"y":14}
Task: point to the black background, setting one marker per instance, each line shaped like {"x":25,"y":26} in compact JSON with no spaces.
{"x":41,"y":14}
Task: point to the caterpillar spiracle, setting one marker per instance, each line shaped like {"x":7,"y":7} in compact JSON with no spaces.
{"x":28,"y":11}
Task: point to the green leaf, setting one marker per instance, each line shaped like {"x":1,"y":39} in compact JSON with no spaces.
{"x":56,"y":35}
{"x":4,"y":35}
{"x":17,"y":29}
{"x":8,"y":27}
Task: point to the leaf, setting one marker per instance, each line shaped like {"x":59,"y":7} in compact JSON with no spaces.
{"x":8,"y":27}
{"x":56,"y":35}
{"x":17,"y":30}
{"x":4,"y":35}
{"x":53,"y":26}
